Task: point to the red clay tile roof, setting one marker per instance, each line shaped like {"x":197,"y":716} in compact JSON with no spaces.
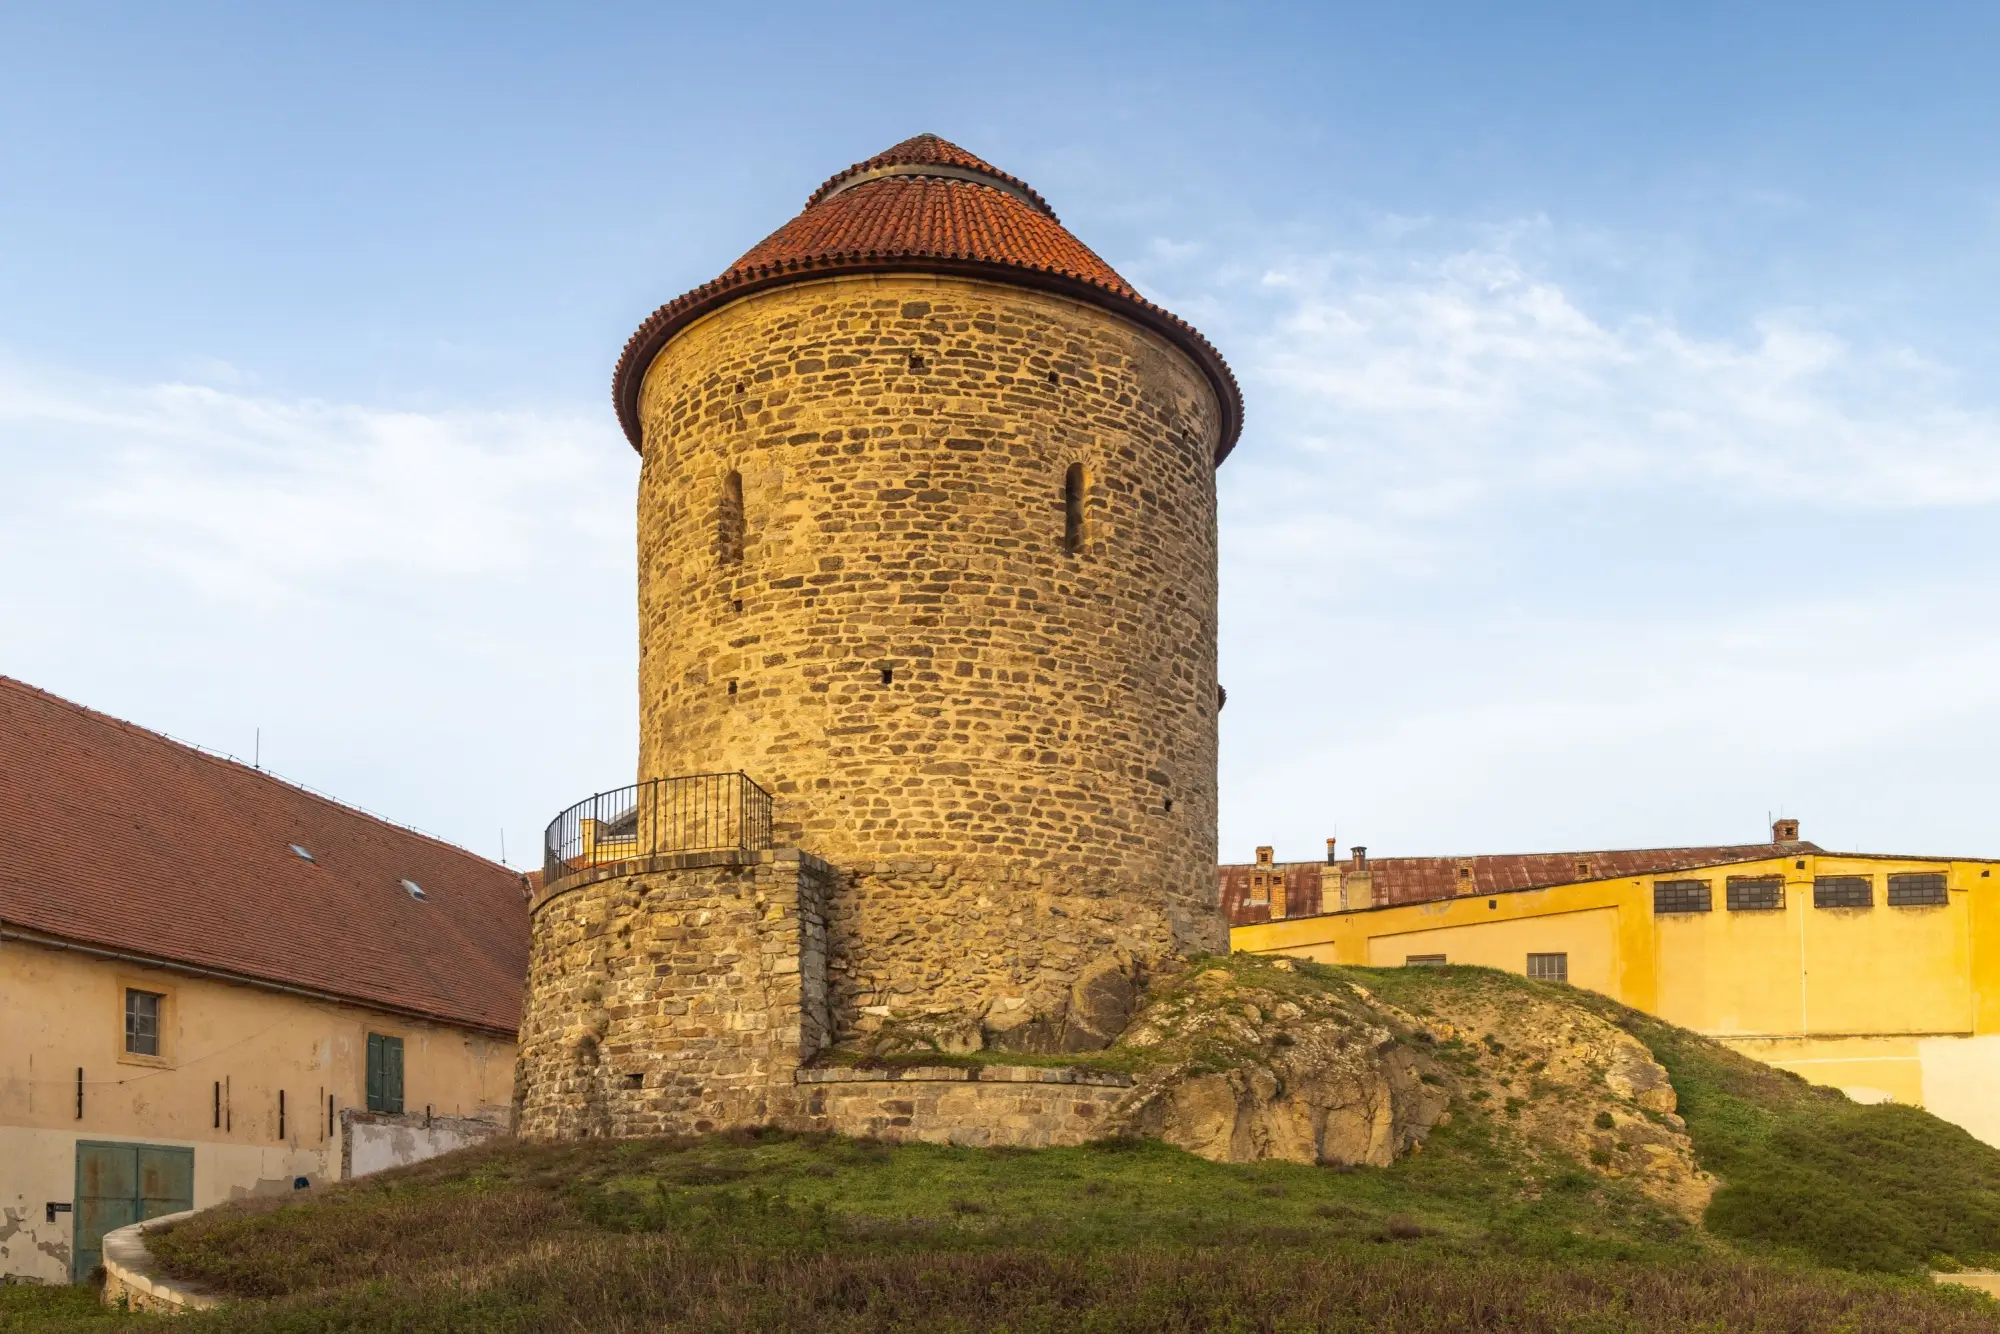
{"x":1421,"y":879}
{"x":927,"y":150}
{"x":116,"y":837}
{"x":924,"y":206}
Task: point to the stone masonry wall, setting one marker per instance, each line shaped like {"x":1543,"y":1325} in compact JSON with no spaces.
{"x":673,"y":996}
{"x":1024,"y":1107}
{"x":1008,"y":749}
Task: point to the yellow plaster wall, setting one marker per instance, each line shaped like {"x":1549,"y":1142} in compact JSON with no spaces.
{"x":1589,"y":936}
{"x":1884,"y":1003}
{"x":61,"y":1011}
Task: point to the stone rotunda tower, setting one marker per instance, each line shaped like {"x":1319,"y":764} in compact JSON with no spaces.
{"x":927,"y":552}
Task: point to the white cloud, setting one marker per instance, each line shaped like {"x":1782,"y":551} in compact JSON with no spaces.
{"x":427,"y":613}
{"x":1470,"y":374}
{"x":1502,"y":570}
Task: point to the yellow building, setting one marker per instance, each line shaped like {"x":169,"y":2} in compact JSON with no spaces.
{"x":216,"y":984}
{"x":1878,"y":975}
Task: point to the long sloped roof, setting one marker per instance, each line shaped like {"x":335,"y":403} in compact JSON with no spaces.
{"x":927,"y":206}
{"x":116,"y":837}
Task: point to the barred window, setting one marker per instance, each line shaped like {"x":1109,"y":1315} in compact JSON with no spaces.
{"x":1681,"y":896}
{"x":1916,"y":889}
{"x":1549,"y":967}
{"x":1750,"y":893}
{"x":1423,"y":960}
{"x":1844,"y":891}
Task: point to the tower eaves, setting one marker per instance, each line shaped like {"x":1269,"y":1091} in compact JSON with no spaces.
{"x":926,"y":206}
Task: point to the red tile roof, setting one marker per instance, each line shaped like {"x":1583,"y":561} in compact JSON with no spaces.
{"x":1396,"y":880}
{"x":924,"y":206}
{"x":119,"y":838}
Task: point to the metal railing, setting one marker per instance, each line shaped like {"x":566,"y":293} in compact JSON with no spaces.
{"x":699,"y":813}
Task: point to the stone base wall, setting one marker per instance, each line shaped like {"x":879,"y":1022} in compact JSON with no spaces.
{"x":1015,"y":1106}
{"x":1027,"y":957}
{"x":675,"y":995}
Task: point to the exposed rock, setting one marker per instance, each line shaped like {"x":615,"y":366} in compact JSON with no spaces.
{"x":1100,"y":1006}
{"x":1265,"y":1060}
{"x":1314,"y":1079}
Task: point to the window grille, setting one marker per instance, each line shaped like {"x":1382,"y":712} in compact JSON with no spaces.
{"x":1423,"y":961}
{"x":1916,"y":889}
{"x":142,"y":1022}
{"x":1681,"y":896}
{"x":1844,"y":891}
{"x":1752,"y":893}
{"x":1549,"y":967}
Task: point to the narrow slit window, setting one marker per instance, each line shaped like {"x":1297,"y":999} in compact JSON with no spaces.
{"x":729,"y":521}
{"x":1073,"y":509}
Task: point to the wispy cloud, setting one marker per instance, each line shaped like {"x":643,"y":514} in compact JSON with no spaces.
{"x":1425,"y":640}
{"x":352,"y":579}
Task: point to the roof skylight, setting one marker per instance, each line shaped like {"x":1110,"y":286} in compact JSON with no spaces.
{"x":304,"y":856}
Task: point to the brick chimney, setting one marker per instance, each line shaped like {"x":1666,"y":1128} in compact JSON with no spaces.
{"x":1264,"y":858}
{"x":1784,"y":831}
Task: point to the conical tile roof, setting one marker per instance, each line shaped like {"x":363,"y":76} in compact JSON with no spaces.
{"x":923,"y":206}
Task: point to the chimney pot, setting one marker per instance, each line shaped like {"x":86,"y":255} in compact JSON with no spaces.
{"x":1785,"y":831}
{"x":1263,"y":856}
{"x":1360,"y":857}
{"x":1330,"y":859}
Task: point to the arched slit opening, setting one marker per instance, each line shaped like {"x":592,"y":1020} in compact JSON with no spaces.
{"x":729,"y":521}
{"x":1073,"y":509}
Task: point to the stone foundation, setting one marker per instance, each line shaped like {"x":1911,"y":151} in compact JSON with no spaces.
{"x":1026,"y":1107}
{"x":674,"y":995}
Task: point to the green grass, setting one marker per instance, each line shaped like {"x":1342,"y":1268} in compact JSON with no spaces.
{"x":1874,"y":1188}
{"x":1827,"y":1211}
{"x":59,"y":1309}
{"x":1864,"y":1187}
{"x":773,"y":1231}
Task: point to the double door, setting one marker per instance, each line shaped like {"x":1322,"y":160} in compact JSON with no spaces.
{"x":117,"y":1184}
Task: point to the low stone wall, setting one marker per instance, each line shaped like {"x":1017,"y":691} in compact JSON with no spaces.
{"x":674,"y":995}
{"x":130,"y":1281}
{"x":1030,"y":1107}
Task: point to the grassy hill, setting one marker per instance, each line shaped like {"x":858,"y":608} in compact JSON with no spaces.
{"x":1825,"y":1217}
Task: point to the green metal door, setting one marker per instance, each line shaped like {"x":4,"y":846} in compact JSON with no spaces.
{"x":117,"y":1184}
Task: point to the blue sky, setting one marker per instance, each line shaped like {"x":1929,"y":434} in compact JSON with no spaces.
{"x":1623,"y":444}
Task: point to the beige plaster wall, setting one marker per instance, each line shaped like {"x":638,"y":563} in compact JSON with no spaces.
{"x":64,"y":1010}
{"x":1000,"y":808}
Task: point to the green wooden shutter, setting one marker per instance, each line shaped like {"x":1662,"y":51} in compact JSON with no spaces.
{"x":374,"y":1072}
{"x":392,"y":1075}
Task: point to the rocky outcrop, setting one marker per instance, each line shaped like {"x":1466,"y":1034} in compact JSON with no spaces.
{"x":1264,"y":1059}
{"x":1313,"y":1077}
